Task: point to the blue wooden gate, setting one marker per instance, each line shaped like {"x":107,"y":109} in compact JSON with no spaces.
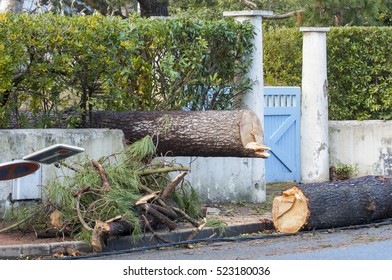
{"x":282,"y":113}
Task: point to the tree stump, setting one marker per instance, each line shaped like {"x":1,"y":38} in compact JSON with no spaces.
{"x":234,"y":133}
{"x":333,"y":204}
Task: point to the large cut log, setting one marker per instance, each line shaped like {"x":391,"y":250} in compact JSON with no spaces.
{"x":235,"y":133}
{"x":333,"y":204}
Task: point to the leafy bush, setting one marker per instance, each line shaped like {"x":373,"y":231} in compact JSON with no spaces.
{"x":282,"y":57}
{"x":360,"y":73}
{"x":50,"y":63}
{"x":359,"y":68}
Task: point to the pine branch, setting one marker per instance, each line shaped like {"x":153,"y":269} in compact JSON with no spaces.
{"x":284,"y":16}
{"x":17,"y":223}
{"x":163,"y":170}
{"x":249,"y":4}
{"x":101,"y":171}
{"x":173,"y":184}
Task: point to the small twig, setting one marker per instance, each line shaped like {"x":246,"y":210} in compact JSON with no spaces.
{"x":17,"y":223}
{"x":186,"y":217}
{"x":66,"y":165}
{"x":101,"y":171}
{"x":165,"y":210}
{"x":81,"y":191}
{"x":146,"y":198}
{"x":162,"y":218}
{"x":197,"y":230}
{"x":284,"y":16}
{"x":85,"y":225}
{"x":173,"y":184}
{"x":150,"y":191}
{"x":163,"y":170}
{"x":119,"y":217}
{"x":156,"y":235}
{"x":249,"y":4}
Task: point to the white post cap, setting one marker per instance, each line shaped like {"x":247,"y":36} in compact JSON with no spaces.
{"x":247,"y":13}
{"x":314,"y":29}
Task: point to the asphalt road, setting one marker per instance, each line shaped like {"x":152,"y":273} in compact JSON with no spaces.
{"x":374,"y":243}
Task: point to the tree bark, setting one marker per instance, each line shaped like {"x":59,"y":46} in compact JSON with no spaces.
{"x":236,"y":133}
{"x":103,"y":230}
{"x":333,"y":204}
{"x":149,"y":8}
{"x":11,"y":6}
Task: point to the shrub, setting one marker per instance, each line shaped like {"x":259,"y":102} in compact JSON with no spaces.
{"x":359,"y":68}
{"x":50,"y":63}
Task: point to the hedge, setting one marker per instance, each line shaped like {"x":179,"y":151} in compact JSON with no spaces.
{"x":359,"y":68}
{"x":50,"y":63}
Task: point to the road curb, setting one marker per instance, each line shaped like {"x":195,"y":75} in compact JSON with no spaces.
{"x":125,"y":242}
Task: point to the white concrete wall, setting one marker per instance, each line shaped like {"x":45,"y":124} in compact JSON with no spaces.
{"x":14,"y":144}
{"x":366,"y":145}
{"x":220,"y":180}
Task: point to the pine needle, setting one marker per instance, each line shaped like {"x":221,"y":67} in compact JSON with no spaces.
{"x":126,"y":177}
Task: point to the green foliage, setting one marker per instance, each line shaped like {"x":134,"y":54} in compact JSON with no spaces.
{"x":282,"y":56}
{"x":360,"y":73}
{"x":81,"y":199}
{"x":50,"y":63}
{"x":216,"y":223}
{"x":189,"y":200}
{"x":345,"y":171}
{"x":314,"y":12}
{"x":125,"y":189}
{"x":359,"y":68}
{"x":144,"y":148}
{"x":344,"y":12}
{"x":23,"y":217}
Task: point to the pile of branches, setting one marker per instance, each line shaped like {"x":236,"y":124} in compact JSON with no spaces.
{"x":124,"y":194}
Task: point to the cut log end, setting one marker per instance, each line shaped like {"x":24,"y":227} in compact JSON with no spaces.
{"x":259,"y":150}
{"x":290,"y":211}
{"x":333,"y":204}
{"x":251,"y":133}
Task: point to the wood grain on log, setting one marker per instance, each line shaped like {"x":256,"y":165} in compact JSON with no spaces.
{"x":333,"y":204}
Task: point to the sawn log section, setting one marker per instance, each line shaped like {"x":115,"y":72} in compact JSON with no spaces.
{"x":333,"y":204}
{"x":226,"y":133}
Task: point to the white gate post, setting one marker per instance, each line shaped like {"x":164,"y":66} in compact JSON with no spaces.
{"x":254,"y":99}
{"x":314,"y":106}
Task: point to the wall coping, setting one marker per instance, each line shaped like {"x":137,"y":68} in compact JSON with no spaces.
{"x":252,"y":13}
{"x":314,"y":29}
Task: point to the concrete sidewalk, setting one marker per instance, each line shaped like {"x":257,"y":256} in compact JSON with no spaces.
{"x":122,"y":243}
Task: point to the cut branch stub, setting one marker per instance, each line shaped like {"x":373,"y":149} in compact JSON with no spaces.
{"x":333,"y":204}
{"x":101,"y":172}
{"x":223,"y":133}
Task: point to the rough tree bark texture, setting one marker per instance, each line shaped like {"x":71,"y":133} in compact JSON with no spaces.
{"x":150,"y":8}
{"x":236,"y":133}
{"x":333,"y":204}
{"x":11,"y":6}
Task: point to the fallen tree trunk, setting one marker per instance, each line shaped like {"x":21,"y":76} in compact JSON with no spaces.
{"x":236,"y":133}
{"x":333,"y":204}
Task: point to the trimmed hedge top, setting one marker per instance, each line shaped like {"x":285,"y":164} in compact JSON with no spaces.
{"x":359,"y":68}
{"x":50,"y":62}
